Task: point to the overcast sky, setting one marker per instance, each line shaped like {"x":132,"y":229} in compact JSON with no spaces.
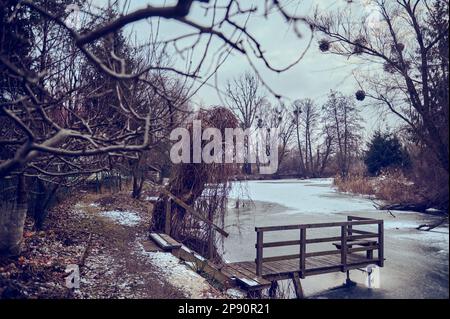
{"x":313,"y":77}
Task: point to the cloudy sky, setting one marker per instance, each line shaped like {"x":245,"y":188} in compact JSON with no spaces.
{"x":313,"y":77}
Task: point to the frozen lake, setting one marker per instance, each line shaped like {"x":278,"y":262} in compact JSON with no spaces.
{"x":416,"y":263}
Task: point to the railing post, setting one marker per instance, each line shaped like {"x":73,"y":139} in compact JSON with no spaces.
{"x":350,"y":226}
{"x":302,"y":252}
{"x":168,"y":217}
{"x":259,"y":252}
{"x":381,"y":243}
{"x":344,"y":247}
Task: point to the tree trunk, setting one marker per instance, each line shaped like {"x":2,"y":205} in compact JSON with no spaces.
{"x":12,"y":220}
{"x":138,"y":178}
{"x":299,"y":145}
{"x":247,"y":167}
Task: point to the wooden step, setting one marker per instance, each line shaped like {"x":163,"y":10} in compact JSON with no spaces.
{"x":164,"y":241}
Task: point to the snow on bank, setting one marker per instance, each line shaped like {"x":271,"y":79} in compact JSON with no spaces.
{"x":179,"y":275}
{"x":124,"y":218}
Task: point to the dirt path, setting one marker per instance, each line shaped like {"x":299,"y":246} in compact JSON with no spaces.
{"x":117,"y":264}
{"x":114,"y":230}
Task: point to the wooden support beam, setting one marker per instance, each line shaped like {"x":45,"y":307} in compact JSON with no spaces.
{"x":273,"y":289}
{"x":348,"y":281}
{"x":297,"y":286}
{"x":168,"y":218}
{"x":191,"y":211}
{"x":344,"y":247}
{"x":381,"y":244}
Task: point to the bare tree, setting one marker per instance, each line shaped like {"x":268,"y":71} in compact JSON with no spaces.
{"x":343,"y":122}
{"x":309,"y":117}
{"x":72,"y":101}
{"x":407,"y":75}
{"x":277,"y":117}
{"x":245,"y":99}
{"x":296,"y":112}
{"x":324,"y":155}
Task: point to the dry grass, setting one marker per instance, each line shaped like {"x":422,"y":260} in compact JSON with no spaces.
{"x":392,"y":186}
{"x":356,"y":184}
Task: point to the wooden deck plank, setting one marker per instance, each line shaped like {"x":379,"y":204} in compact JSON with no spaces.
{"x":246,"y":277}
{"x":268,"y":268}
{"x":252,"y":275}
{"x":314,"y":265}
{"x":230,"y":274}
{"x":251,"y":266}
{"x":240,"y":269}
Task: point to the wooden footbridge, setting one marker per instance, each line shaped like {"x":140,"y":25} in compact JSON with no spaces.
{"x":351,"y":248}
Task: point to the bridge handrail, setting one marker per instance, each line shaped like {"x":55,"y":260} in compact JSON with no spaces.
{"x":361,"y":221}
{"x":347,"y":234}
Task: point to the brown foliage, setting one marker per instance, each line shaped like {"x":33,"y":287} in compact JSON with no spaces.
{"x":204,"y":186}
{"x":392,"y":186}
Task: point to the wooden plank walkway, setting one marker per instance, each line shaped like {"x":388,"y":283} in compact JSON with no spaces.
{"x":283,"y":269}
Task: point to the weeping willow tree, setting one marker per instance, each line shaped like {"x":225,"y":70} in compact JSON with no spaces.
{"x":205,"y":187}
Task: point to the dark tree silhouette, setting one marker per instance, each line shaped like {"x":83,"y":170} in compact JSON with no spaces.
{"x":385,"y":150}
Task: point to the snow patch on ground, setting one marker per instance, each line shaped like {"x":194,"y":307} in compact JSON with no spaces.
{"x":178,"y":274}
{"x":125,"y":218}
{"x":401,"y":224}
{"x":235,"y":293}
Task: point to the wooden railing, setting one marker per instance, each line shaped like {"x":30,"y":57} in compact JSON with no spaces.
{"x":347,"y":233}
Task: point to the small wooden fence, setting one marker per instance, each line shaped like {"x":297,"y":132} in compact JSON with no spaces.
{"x":364,"y":241}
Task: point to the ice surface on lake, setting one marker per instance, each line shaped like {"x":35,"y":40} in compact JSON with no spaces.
{"x":306,"y":196}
